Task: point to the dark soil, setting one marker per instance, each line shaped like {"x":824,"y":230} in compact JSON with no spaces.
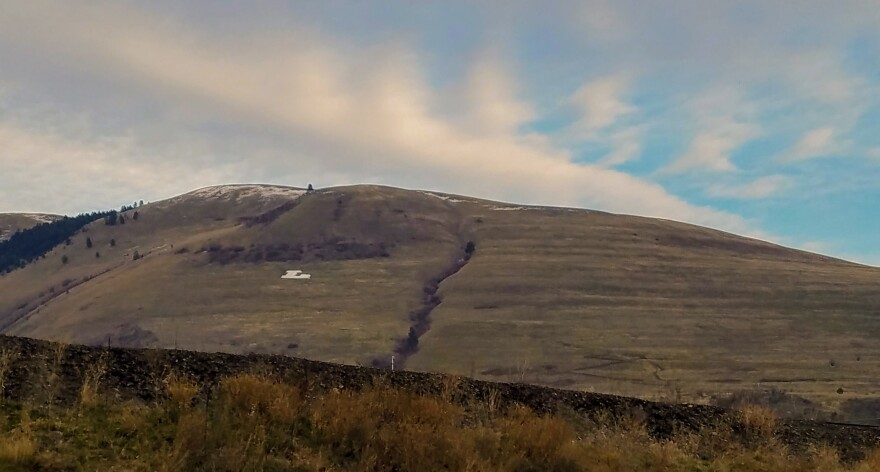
{"x":52,"y":372}
{"x":271,"y":215}
{"x":331,"y":249}
{"x":420,"y":318}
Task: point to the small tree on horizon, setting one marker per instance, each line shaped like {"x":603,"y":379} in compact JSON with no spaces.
{"x":310,"y":188}
{"x":89,"y":243}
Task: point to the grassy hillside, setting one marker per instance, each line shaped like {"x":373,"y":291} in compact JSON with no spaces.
{"x":563,"y":297}
{"x":633,"y":305}
{"x":68,"y":407}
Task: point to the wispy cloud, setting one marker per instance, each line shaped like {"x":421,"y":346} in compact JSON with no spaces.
{"x":711,"y":150}
{"x":490,"y":96}
{"x":600,"y":104}
{"x":726,"y":121}
{"x":625,"y":147}
{"x":762,"y":187}
{"x":818,"y":142}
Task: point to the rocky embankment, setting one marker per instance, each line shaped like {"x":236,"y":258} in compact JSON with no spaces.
{"x":33,"y":369}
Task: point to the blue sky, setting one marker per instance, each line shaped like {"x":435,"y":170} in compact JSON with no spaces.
{"x":755,"y":117}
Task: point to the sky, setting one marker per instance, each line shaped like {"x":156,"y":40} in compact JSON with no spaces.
{"x":757,"y":117}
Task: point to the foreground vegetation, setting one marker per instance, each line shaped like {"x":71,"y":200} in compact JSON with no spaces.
{"x":254,"y":422}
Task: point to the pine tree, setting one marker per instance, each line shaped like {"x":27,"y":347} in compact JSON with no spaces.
{"x":64,"y":259}
{"x":89,"y":243}
{"x":35,"y":243}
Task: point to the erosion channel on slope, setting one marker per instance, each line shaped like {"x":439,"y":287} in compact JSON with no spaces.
{"x":420,"y":318}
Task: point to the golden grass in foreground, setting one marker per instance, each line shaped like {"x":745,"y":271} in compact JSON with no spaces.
{"x":252,"y":423}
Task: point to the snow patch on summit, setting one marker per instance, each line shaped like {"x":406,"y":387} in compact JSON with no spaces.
{"x":240,"y":192}
{"x":442,"y":197}
{"x":41,"y":218}
{"x":237,"y":193}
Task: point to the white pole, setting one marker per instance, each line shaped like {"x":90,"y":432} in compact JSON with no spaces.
{"x":392,"y":363}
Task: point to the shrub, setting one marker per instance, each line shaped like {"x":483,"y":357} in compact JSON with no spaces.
{"x":17,"y":448}
{"x":758,"y":421}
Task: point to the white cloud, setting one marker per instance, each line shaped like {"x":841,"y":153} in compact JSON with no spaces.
{"x":45,"y":169}
{"x":806,"y":63}
{"x":762,"y":187}
{"x":710,"y":150}
{"x":625,"y":147}
{"x":819,"y":74}
{"x":490,"y":94}
{"x":600,"y":104}
{"x":818,"y":142}
{"x":726,"y":121}
{"x":368,"y":111}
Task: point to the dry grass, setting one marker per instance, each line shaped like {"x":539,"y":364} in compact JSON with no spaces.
{"x":7,"y":357}
{"x":17,"y":449}
{"x":54,"y":368}
{"x":18,"y":446}
{"x":181,"y":391}
{"x":276,"y":400}
{"x":255,"y":422}
{"x":89,"y":395}
{"x":758,"y":421}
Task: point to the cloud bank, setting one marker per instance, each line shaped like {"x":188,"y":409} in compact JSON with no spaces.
{"x":371,"y":115}
{"x":700,"y":111}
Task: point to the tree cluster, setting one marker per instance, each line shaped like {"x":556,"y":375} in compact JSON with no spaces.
{"x":28,"y":245}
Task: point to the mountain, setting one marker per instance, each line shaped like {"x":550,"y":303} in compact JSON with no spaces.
{"x":557,"y":296}
{"x":12,"y":222}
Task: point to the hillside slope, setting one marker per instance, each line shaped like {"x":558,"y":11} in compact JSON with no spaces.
{"x":562,"y":297}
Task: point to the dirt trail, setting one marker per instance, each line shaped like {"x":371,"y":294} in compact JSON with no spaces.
{"x":33,"y":306}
